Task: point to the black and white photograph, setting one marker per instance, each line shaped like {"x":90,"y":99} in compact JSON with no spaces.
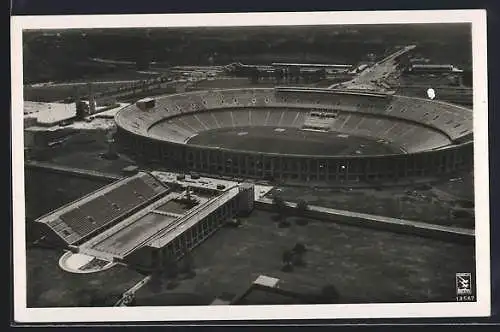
{"x":250,"y":166}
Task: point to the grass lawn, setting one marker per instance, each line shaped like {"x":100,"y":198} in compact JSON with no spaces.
{"x":50,"y":286}
{"x":363,"y":264}
{"x":425,"y":205}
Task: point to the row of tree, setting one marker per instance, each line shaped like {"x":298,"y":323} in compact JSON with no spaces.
{"x":285,"y":75}
{"x":294,"y":257}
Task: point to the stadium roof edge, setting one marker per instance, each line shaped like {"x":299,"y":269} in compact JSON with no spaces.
{"x":324,"y":90}
{"x":437,"y":102}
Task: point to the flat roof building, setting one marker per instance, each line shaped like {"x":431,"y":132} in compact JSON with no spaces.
{"x":146,"y":220}
{"x":434,"y":68}
{"x":49,"y":114}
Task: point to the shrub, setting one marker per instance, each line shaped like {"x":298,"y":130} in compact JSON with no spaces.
{"x":298,"y":260}
{"x":299,"y":248}
{"x":287,"y":257}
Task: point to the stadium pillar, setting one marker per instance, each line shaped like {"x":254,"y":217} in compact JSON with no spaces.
{"x":327,"y":171}
{"x":308,"y":168}
{"x":317,"y":170}
{"x":92,"y":101}
{"x":281,"y":168}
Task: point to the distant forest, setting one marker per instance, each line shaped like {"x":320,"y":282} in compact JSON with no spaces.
{"x":65,"y":54}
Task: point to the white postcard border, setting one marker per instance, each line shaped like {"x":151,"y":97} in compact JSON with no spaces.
{"x":209,"y":313}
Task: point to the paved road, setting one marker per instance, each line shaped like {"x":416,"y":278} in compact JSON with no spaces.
{"x":376,"y":72}
{"x":385,"y":222}
{"x":49,"y":84}
{"x":130,"y":293}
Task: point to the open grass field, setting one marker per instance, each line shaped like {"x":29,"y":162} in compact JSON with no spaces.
{"x":84,"y":149}
{"x":50,"y":286}
{"x":289,"y":141}
{"x":366,"y":266}
{"x":432,"y":204}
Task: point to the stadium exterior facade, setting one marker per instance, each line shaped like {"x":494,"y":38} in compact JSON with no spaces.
{"x":436,"y":137}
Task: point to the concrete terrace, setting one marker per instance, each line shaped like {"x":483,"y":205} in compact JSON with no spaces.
{"x":120,"y":239}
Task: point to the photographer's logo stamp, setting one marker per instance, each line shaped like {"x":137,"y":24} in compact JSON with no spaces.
{"x":463,"y":282}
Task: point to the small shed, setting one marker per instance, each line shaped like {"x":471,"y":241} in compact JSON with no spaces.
{"x":266,"y":281}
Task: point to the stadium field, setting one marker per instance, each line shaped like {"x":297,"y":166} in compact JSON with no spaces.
{"x":291,"y":141}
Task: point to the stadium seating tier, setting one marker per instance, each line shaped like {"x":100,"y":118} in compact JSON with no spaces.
{"x":413,"y":123}
{"x":83,"y":219}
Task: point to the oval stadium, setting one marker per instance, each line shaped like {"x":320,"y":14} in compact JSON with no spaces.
{"x":171,"y":175}
{"x":300,"y":134}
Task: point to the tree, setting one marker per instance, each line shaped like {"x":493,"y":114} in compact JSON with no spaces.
{"x":254,"y":75}
{"x":287,"y":257}
{"x":322,"y":74}
{"x":298,"y":252}
{"x":280,"y":207}
{"x":299,"y":248}
{"x":302,"y":207}
{"x":279,"y":75}
{"x":287,"y":260}
{"x":279,"y":204}
{"x":294,"y":75}
{"x":298,"y":260}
